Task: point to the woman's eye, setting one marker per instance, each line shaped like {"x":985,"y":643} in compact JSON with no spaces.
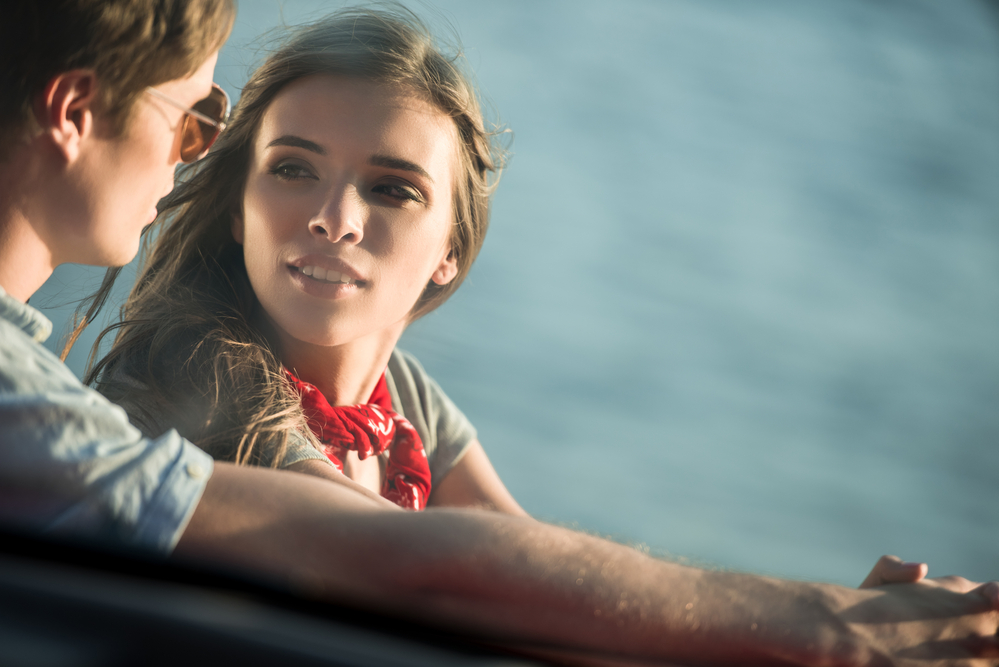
{"x":397,"y":191}
{"x":290,"y":171}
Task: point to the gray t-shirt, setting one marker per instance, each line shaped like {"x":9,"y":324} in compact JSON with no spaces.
{"x":445,"y":431}
{"x":71,"y":464}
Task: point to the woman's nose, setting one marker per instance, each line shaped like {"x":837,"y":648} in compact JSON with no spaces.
{"x":341,"y":218}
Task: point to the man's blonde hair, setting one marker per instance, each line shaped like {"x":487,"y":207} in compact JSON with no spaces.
{"x":129,"y":44}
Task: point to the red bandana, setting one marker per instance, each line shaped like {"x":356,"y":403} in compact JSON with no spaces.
{"x":369,"y":430}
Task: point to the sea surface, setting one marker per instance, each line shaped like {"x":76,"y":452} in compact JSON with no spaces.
{"x":739,"y":301}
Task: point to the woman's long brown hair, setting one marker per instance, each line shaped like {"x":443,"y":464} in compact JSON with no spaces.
{"x":192,"y":349}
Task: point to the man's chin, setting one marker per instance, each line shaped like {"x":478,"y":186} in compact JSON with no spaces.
{"x":114,"y":257}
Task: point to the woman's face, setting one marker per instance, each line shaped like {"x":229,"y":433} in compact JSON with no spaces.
{"x":347,"y":209}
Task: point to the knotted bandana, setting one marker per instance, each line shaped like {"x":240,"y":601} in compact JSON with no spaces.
{"x":370,"y":429}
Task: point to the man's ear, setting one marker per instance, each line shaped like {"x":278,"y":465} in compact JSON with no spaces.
{"x":446,"y":270}
{"x":65,"y":110}
{"x":236,"y":227}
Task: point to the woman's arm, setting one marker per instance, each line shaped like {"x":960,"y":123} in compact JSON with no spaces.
{"x":323,"y":470}
{"x":473,"y":482}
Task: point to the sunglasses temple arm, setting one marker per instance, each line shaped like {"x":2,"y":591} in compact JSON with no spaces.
{"x":205,"y":119}
{"x":192,"y":112}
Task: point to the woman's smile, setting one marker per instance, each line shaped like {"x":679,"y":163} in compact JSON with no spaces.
{"x":320,"y":274}
{"x":325,"y":277}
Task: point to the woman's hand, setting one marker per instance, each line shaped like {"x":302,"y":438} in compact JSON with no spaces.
{"x":892,"y":570}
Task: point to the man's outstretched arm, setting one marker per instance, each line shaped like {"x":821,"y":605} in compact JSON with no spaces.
{"x":516,"y":578}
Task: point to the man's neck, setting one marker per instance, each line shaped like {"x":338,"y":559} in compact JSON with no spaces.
{"x":26,"y":261}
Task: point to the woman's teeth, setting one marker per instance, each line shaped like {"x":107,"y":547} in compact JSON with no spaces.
{"x":319,"y":273}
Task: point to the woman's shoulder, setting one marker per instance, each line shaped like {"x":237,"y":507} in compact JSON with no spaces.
{"x":404,"y":367}
{"x":411,"y":386}
{"x":443,"y":428}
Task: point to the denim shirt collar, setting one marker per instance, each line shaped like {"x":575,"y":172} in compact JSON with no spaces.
{"x":24,"y":316}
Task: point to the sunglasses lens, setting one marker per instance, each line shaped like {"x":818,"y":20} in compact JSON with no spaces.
{"x":199,"y":136}
{"x":192,"y":143}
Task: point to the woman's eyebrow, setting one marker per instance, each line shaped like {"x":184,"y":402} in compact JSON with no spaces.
{"x":398,"y":163}
{"x":298,"y":142}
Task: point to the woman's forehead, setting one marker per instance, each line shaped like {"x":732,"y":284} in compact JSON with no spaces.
{"x":334,"y":106}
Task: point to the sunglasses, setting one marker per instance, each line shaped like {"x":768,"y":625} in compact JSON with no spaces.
{"x":202,"y":123}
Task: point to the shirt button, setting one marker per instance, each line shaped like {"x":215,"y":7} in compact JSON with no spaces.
{"x":195,"y":471}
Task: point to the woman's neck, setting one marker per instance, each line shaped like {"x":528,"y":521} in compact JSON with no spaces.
{"x":345,"y":374}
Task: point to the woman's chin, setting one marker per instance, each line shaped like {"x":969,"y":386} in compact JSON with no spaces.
{"x":312,"y":339}
{"x":299,"y":332}
{"x":297,"y":335}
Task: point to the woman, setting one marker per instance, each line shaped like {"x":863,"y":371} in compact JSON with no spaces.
{"x":348,"y":197}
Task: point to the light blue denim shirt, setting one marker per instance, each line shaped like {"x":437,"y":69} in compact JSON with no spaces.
{"x":71,"y":463}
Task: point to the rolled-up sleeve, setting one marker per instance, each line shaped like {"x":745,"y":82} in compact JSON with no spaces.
{"x":71,"y":463}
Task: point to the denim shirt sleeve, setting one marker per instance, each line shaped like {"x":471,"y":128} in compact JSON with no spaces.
{"x":71,"y":463}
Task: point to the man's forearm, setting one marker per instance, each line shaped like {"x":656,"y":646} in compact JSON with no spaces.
{"x":524,"y":581}
{"x":536,"y":582}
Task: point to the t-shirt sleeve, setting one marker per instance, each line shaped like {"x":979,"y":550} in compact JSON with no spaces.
{"x":71,"y":464}
{"x":445,"y":431}
{"x":299,"y":449}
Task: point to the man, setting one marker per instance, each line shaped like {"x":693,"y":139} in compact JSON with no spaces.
{"x":99,"y":100}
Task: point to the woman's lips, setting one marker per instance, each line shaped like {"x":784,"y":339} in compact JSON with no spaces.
{"x":326,"y":275}
{"x":328,"y":268}
{"x":322,"y":284}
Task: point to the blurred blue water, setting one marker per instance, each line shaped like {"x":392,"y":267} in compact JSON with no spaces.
{"x":740,"y":297}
